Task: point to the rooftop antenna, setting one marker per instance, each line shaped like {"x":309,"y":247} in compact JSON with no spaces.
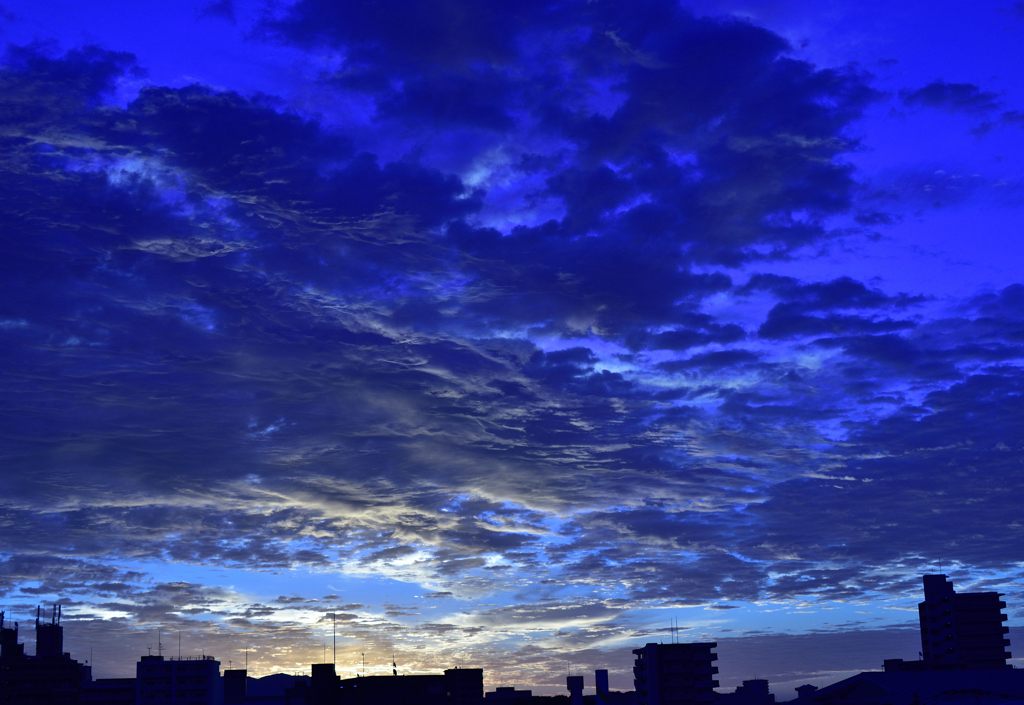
{"x":394,"y":666}
{"x":247,"y":658}
{"x":159,"y":644}
{"x":179,"y":644}
{"x":364,"y":663}
{"x":334,"y":635}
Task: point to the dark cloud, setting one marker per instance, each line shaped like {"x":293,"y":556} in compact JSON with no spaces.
{"x":452,"y":99}
{"x":714,"y":360}
{"x":875,"y":219}
{"x":225,"y":9}
{"x":453,"y":33}
{"x":41,"y":88}
{"x":837,"y":294}
{"x":1016,"y":9}
{"x":678,"y":138}
{"x":1007,"y":304}
{"x":955,"y":97}
{"x":1013,"y":117}
{"x":789,"y":318}
{"x":923,"y":495}
{"x":787,"y":321}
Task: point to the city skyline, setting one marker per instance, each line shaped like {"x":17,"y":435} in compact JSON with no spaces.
{"x":512,"y":333}
{"x":963,"y":637}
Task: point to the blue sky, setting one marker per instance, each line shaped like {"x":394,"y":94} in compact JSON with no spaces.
{"x":510,"y":334}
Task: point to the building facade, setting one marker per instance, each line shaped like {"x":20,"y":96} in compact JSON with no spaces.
{"x":190,"y":680}
{"x":675,"y":674}
{"x":962,"y":630}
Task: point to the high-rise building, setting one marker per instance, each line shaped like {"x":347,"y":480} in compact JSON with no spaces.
{"x":675,"y":674}
{"x":962,"y":630}
{"x":601,"y":686}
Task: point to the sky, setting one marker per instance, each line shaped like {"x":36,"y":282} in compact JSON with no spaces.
{"x":509,"y":335}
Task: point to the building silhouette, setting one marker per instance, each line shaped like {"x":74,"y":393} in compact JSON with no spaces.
{"x":236,"y":681}
{"x":963,"y":658}
{"x":671,"y":674}
{"x":950,"y":687}
{"x":191,"y":680}
{"x":752,"y":692}
{"x":962,"y":629}
{"x":963,"y":662}
{"x":574,"y":684}
{"x":507,"y":694}
{"x":49,"y":677}
{"x":108,"y":691}
{"x":456,"y":686}
{"x":601,"y":697}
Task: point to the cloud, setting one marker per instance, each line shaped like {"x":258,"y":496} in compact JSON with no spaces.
{"x":1016,"y":9}
{"x":789,"y":318}
{"x":224,"y":9}
{"x":716,"y":360}
{"x":954,"y":97}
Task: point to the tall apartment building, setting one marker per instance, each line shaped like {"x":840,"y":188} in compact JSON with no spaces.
{"x":675,"y":674}
{"x":962,"y":630}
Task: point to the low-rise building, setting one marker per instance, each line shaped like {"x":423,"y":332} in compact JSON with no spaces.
{"x":188,"y":680}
